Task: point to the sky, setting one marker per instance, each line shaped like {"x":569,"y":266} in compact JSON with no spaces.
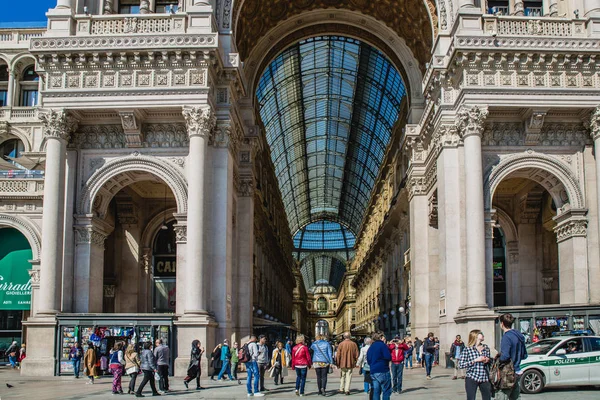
{"x":25,"y":10}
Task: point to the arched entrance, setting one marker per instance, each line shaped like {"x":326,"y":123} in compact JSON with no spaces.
{"x":15,"y":284}
{"x":322,"y":328}
{"x":540,"y":241}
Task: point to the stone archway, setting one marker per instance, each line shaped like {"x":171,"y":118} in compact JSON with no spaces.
{"x":561,"y":220}
{"x":27,"y":228}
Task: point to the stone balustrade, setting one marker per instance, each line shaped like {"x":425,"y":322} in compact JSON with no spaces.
{"x":19,"y":38}
{"x":20,"y":186}
{"x":18,"y":113}
{"x":533,"y":26}
{"x":102,"y":25}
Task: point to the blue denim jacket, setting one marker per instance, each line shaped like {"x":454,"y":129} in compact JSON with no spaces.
{"x":321,"y":352}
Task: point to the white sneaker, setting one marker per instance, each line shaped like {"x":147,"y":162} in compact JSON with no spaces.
{"x":259,"y":394}
{"x":250,"y":395}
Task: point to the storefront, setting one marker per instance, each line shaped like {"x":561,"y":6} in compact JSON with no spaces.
{"x":15,"y":285}
{"x":105,"y":330}
{"x":540,"y":322}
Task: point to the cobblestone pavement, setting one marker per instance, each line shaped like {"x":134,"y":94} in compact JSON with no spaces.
{"x":415,"y":387}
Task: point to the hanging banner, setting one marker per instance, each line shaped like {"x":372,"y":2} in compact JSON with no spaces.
{"x":15,"y":282}
{"x":165,"y":266}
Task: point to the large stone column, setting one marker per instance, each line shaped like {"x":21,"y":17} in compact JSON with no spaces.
{"x":41,"y":329}
{"x":470,"y":124}
{"x":571,"y":235}
{"x":196,"y":322}
{"x":594,"y":125}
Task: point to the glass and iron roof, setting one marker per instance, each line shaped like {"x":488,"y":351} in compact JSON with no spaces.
{"x":322,"y":270}
{"x":328,"y":105}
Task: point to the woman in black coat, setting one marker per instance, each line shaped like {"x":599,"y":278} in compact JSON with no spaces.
{"x":194,"y":369}
{"x":215,"y":359}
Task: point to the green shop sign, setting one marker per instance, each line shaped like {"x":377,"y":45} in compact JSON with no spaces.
{"x":15,"y":283}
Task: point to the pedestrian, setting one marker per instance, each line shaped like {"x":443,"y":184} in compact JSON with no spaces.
{"x":132,"y":366}
{"x":456,"y":350}
{"x":429,"y":348}
{"x":75,"y":355}
{"x":418,"y":353}
{"x":194,"y":368}
{"x":408,"y":355}
{"x":235,"y":361}
{"x":379,"y":357}
{"x":12,"y":354}
{"x":476,"y":359}
{"x":22,"y":353}
{"x":89,"y":363}
{"x":98,"y":362}
{"x":289,"y":345}
{"x":322,"y":360}
{"x":436,"y":360}
{"x":225,"y":361}
{"x":364,"y":366}
{"x":263,"y":360}
{"x":397,"y":349}
{"x":215,"y":360}
{"x":252,"y":368}
{"x":301,"y":362}
{"x":116,"y":367}
{"x":347,"y":356}
{"x":162,"y":356}
{"x":279,"y":363}
{"x":148,"y":364}
{"x":512,"y":348}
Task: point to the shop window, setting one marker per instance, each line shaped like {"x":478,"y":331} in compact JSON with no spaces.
{"x":3,"y":85}
{"x":29,"y":87}
{"x":166,"y":6}
{"x":11,"y":148}
{"x":533,"y":8}
{"x":497,"y":7}
{"x":164,"y":268}
{"x":129,"y":7}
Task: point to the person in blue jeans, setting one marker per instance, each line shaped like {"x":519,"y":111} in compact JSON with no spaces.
{"x":379,"y":357}
{"x":225,"y":359}
{"x":13,"y":352}
{"x":408,"y":355}
{"x":252,"y":369}
{"x":75,"y":356}
{"x":429,"y":348}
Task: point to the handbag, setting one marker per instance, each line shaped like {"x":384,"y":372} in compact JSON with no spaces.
{"x":271,"y":372}
{"x":156,"y":376}
{"x":284,"y":372}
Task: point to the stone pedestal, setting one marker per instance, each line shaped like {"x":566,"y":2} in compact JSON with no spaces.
{"x":41,"y":339}
{"x":189,"y":329}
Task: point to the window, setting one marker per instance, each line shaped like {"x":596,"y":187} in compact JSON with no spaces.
{"x":533,"y":8}
{"x":11,"y":148}
{"x":164,"y":260}
{"x":498,"y":7}
{"x":322,"y":304}
{"x":129,"y":7}
{"x":29,"y":87}
{"x":166,"y":6}
{"x":571,"y":346}
{"x":3,"y":85}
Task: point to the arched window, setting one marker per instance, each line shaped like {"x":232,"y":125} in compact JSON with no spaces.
{"x":29,"y":87}
{"x":322,"y":304}
{"x":164,"y":268}
{"x":3,"y":85}
{"x":322,"y":328}
{"x":11,"y":148}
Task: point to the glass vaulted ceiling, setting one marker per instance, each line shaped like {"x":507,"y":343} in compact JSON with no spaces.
{"x":328,"y":105}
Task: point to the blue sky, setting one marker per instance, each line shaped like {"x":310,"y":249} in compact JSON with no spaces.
{"x":25,"y":10}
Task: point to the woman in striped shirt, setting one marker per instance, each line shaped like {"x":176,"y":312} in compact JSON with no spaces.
{"x":476,"y":359}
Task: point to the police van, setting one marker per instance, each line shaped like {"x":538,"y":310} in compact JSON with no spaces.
{"x":561,"y":361}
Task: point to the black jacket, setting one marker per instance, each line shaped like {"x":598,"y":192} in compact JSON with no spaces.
{"x":429,"y":346}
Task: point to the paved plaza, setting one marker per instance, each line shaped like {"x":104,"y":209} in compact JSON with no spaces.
{"x":415,"y":387}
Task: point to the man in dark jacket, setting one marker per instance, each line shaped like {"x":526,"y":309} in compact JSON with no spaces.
{"x":455,"y":352}
{"x":378,"y":358}
{"x":512,"y":348}
{"x":418,"y":344}
{"x":429,"y":348}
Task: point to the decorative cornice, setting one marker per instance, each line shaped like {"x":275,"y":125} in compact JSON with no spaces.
{"x":200,"y":120}
{"x":89,"y":235}
{"x":575,"y":226}
{"x":594,"y":123}
{"x":470,"y":121}
{"x":57,"y":123}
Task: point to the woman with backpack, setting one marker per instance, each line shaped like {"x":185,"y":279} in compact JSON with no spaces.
{"x":476,"y":359}
{"x":194,"y":369}
{"x":301,"y":362}
{"x":322,"y":359}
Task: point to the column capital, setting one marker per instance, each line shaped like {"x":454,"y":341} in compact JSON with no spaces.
{"x":180,"y":233}
{"x":571,"y":223}
{"x":58,"y":123}
{"x":593,"y":123}
{"x":200,"y":120}
{"x":470,"y":120}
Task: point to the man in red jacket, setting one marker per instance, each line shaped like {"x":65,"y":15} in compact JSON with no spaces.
{"x":397,"y":348}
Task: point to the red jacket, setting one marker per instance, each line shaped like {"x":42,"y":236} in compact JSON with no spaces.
{"x":398,"y":353}
{"x":301,"y":356}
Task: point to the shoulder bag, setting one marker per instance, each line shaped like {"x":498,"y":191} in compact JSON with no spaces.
{"x":330,"y":370}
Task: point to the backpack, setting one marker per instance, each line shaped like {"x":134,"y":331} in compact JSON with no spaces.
{"x":244,"y":354}
{"x":502,"y":375}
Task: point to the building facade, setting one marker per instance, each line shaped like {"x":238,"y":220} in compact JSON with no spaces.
{"x":201,"y":169}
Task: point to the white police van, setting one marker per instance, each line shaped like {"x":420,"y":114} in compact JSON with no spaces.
{"x":561,"y":361}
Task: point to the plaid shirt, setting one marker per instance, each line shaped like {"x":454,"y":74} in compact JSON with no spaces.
{"x":477,"y":371}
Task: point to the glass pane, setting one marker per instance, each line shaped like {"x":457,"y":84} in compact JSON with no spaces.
{"x":3,"y":94}
{"x":29,"y":98}
{"x":164,"y":295}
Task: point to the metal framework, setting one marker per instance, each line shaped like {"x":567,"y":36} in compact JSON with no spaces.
{"x":328,"y":105}
{"x":322,"y":269}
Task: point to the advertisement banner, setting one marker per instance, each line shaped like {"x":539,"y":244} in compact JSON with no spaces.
{"x":15,"y":283}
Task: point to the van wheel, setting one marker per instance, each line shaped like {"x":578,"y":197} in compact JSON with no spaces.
{"x":532,"y":382}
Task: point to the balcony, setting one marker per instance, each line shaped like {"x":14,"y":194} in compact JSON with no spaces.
{"x":533,"y":26}
{"x":21,"y":184}
{"x":119,"y":24}
{"x":19,"y":114}
{"x":19,"y":38}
